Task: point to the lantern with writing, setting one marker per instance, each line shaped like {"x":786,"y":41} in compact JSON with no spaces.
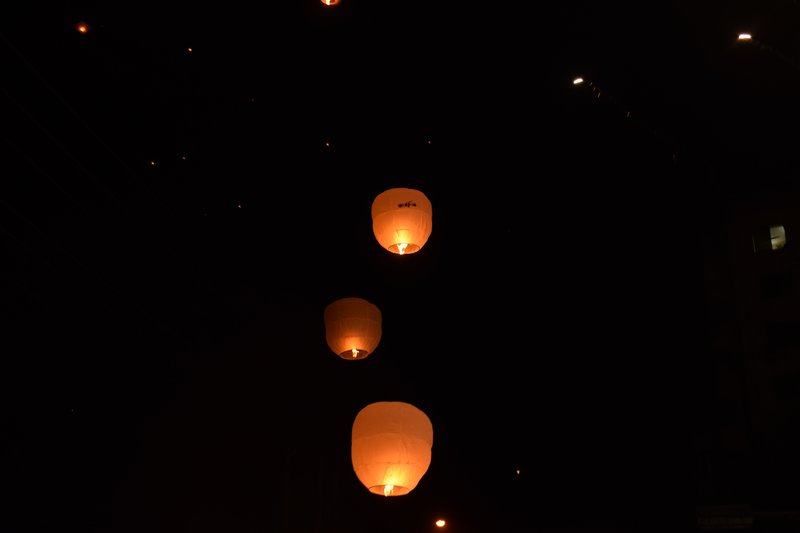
{"x":402,"y":220}
{"x":352,"y":327}
{"x":391,"y":447}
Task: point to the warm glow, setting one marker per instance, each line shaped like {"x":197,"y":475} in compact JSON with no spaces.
{"x":330,"y":2}
{"x":391,"y":447}
{"x":402,"y":220}
{"x":188,"y":49}
{"x":745,"y":36}
{"x":352,"y":328}
{"x":518,"y":471}
{"x":440,"y":523}
{"x":577,"y":81}
{"x":82,"y":27}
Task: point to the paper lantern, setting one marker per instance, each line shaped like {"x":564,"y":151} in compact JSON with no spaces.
{"x":391,"y":448}
{"x":330,"y":2}
{"x":352,"y":327}
{"x":402,"y":220}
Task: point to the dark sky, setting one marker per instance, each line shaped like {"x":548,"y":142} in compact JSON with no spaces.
{"x":173,"y":223}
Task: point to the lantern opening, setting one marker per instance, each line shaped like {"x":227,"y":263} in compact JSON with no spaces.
{"x":389,"y":490}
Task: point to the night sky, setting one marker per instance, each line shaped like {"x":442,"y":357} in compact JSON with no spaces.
{"x":185,"y":187}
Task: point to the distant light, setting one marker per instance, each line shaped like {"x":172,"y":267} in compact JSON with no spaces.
{"x":183,"y":158}
{"x":440,"y":523}
{"x":152,"y":163}
{"x":239,"y":206}
{"x":330,"y":2}
{"x":327,"y":144}
{"x":82,"y":27}
{"x":517,"y":471}
{"x":745,"y":37}
{"x":188,"y":49}
{"x":429,"y":141}
{"x":577,"y":81}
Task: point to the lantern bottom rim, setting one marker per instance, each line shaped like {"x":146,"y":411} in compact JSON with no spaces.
{"x":409,"y":249}
{"x":348,"y":354}
{"x":398,"y":490}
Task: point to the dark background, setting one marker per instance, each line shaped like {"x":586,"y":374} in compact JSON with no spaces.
{"x":174,"y":222}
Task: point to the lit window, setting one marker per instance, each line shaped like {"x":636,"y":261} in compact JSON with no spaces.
{"x":769,"y":239}
{"x":777,"y":237}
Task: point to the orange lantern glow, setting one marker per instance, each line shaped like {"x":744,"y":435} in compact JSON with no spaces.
{"x":352,"y":327}
{"x":402,"y":220}
{"x":391,"y":447}
{"x":330,"y":2}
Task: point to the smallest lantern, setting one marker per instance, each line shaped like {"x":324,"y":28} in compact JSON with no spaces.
{"x":330,"y":2}
{"x":402,"y":220}
{"x":352,"y":327}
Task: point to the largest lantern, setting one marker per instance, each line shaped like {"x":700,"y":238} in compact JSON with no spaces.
{"x":391,"y":447}
{"x":402,"y":220}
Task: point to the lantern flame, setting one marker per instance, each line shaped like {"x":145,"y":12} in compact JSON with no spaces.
{"x":355,"y":352}
{"x":388,"y":489}
{"x":401,"y":248}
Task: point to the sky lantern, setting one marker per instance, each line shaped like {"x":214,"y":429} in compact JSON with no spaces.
{"x":352,"y":327}
{"x":391,"y":447}
{"x":330,"y":2}
{"x":402,"y":220}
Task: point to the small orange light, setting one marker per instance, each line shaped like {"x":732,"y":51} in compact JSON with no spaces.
{"x":577,"y":81}
{"x":330,"y":2}
{"x":188,"y":49}
{"x":82,"y":27}
{"x":440,"y":523}
{"x":328,"y":144}
{"x":517,"y":471}
{"x":152,"y":163}
{"x":745,"y":37}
